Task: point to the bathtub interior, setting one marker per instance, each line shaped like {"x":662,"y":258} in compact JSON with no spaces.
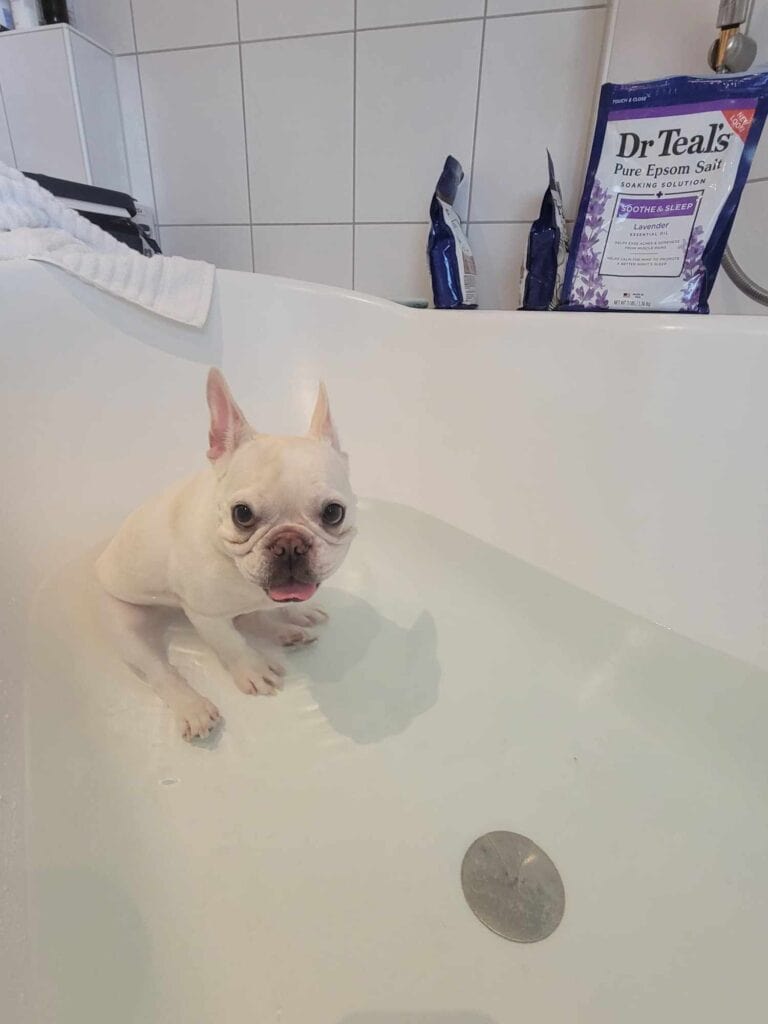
{"x":494,"y":660}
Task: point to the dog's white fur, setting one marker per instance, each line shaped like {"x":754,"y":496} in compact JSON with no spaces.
{"x":184,"y":549}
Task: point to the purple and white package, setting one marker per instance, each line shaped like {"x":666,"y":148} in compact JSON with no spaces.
{"x":450,"y":259}
{"x":668,"y":164}
{"x":541,"y":279}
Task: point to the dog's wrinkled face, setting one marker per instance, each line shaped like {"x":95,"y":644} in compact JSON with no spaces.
{"x":286,"y":511}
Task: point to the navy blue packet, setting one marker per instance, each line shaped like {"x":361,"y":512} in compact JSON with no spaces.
{"x":547,"y":251}
{"x":450,"y":259}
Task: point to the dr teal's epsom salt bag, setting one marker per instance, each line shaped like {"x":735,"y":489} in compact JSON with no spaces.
{"x":668,"y":164}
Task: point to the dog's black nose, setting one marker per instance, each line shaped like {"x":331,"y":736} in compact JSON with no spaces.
{"x":289,"y":544}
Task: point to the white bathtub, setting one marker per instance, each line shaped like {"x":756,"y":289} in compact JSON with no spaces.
{"x":494,"y":666}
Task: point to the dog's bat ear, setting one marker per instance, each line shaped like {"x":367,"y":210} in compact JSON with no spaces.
{"x":321,"y":428}
{"x":229,"y":427}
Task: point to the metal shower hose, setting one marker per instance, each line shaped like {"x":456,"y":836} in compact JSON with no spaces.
{"x":742,"y":280}
{"x":731,"y":16}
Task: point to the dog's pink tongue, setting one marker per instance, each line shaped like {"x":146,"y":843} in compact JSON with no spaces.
{"x":293,"y":592}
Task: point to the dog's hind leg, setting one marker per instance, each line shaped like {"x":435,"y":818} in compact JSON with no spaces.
{"x":137,"y":631}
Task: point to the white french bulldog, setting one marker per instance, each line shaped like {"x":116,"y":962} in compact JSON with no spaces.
{"x":263,"y":525}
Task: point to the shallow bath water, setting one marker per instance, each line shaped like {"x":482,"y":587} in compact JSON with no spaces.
{"x":303,"y":865}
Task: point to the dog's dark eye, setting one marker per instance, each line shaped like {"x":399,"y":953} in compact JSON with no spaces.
{"x":242,"y":516}
{"x":333,"y":514}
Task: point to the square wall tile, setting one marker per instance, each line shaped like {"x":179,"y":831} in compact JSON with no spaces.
{"x":416,"y":96}
{"x":499,"y":250}
{"x":538,"y":91}
{"x":194,"y":111}
{"x":656,"y":38}
{"x":378,"y":13}
{"x":265,"y":19}
{"x":321,"y":253}
{"x":228,"y":247}
{"x":169,"y":24}
{"x":298,"y":105}
{"x":106,"y":21}
{"x":391,"y":261}
{"x":137,"y":151}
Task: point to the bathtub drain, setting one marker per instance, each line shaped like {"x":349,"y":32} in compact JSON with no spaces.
{"x":513,"y":887}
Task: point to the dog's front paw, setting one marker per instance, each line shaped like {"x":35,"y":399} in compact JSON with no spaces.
{"x":256,"y":674}
{"x":196,"y":717}
{"x":294,"y":636}
{"x":304,"y":616}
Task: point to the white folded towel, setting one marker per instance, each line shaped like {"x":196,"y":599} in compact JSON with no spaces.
{"x":35,"y":225}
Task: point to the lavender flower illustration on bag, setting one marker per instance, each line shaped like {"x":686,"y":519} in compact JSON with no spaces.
{"x":588,"y":288}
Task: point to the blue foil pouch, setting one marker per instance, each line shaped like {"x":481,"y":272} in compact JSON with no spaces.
{"x":450,"y":259}
{"x":545,"y":257}
{"x":669,"y":162}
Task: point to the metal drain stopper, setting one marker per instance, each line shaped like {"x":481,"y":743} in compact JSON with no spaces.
{"x":513,"y":887}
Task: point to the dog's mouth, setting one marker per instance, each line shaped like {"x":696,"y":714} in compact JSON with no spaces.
{"x":293,"y":591}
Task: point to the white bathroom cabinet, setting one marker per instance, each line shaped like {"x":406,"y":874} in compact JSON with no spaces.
{"x":59,"y":107}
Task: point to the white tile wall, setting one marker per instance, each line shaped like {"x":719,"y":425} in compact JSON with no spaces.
{"x":338,"y":115}
{"x":268,"y":19}
{"x":170,"y":24}
{"x":416,"y":99}
{"x":228,"y":246}
{"x":390,"y":260}
{"x":106,"y":21}
{"x":541,"y":109}
{"x":658,"y":37}
{"x":314,"y":252}
{"x":499,"y":249}
{"x":377,"y":13}
{"x":194,"y":112}
{"x":527,"y":6}
{"x":322,"y":127}
{"x":298,"y":105}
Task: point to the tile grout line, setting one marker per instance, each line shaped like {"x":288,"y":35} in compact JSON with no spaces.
{"x":245,"y":42}
{"x":354,"y":147}
{"x":372,"y":28}
{"x":245,"y":140}
{"x":477,"y":115}
{"x":548,"y":10}
{"x":146,"y":130}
